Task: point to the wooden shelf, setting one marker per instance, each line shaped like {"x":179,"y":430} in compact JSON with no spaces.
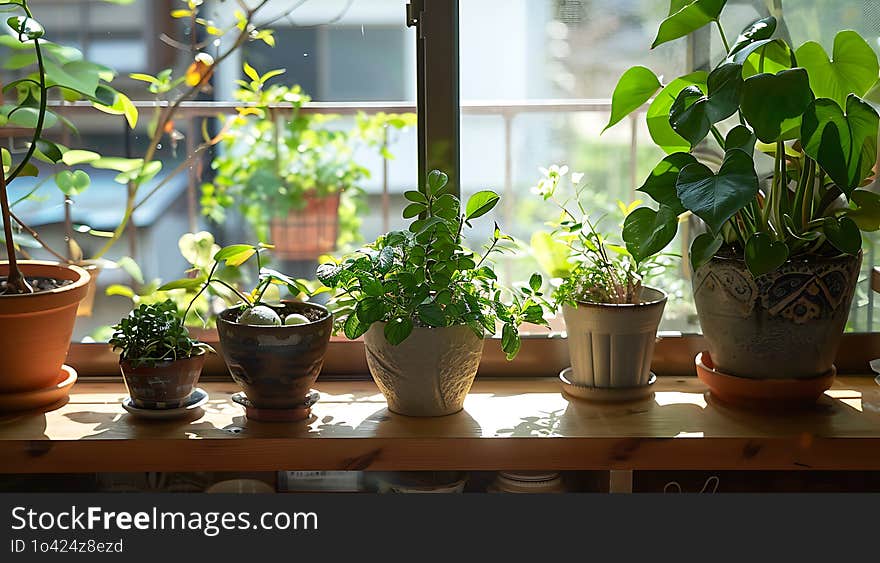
{"x":507,"y":424}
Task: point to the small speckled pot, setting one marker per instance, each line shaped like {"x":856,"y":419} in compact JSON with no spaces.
{"x":167,"y":385}
{"x":276,"y":366}
{"x":429,"y":373}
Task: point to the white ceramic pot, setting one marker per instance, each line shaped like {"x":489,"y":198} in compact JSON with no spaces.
{"x":611,"y":345}
{"x":429,"y":373}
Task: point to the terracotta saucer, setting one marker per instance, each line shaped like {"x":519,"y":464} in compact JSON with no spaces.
{"x":606,"y":394}
{"x":745,"y":392}
{"x":39,"y":398}
{"x":301,"y":412}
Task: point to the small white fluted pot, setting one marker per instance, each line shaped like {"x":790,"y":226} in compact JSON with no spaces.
{"x":610,"y":345}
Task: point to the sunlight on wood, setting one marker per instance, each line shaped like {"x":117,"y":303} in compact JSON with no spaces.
{"x":664,"y":398}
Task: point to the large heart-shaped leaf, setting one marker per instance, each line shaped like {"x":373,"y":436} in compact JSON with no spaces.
{"x":755,"y":31}
{"x":741,"y":137}
{"x":853,"y":69}
{"x":715,"y":198}
{"x":768,"y":56}
{"x":634,"y":88}
{"x":657,"y":116}
{"x":843,"y":233}
{"x":844,"y":145}
{"x":660,"y":184}
{"x":866,"y":212}
{"x":646,"y":232}
{"x":693,"y":114}
{"x":763,"y":254}
{"x":690,"y":17}
{"x":774,"y":103}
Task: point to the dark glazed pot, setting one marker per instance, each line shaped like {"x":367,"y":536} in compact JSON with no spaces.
{"x":781,"y":325}
{"x":276,"y":366}
{"x":167,"y":385}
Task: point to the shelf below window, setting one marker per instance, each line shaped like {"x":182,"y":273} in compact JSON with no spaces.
{"x":507,"y":424}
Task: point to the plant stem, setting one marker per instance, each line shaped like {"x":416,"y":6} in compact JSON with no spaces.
{"x":15,"y":282}
{"x":718,"y":137}
{"x":723,"y":37}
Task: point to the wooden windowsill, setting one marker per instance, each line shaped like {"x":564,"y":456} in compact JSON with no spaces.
{"x":521,"y":423}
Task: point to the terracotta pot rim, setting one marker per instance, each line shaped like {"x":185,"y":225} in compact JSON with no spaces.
{"x":328,"y":316}
{"x":83,"y":280}
{"x":653,"y":303}
{"x":200,"y":353}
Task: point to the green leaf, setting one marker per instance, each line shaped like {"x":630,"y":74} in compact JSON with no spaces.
{"x":121,"y":290}
{"x":185,"y":283}
{"x":717,"y":198}
{"x":397,"y":330}
{"x":370,"y":310}
{"x":535,"y":282}
{"x":437,"y":180}
{"x":843,"y":234}
{"x":50,"y":150}
{"x":371,"y":286}
{"x":251,"y":73}
{"x":72,"y":183}
{"x":693,"y":113}
{"x":235,"y":254}
{"x":691,"y":17}
{"x":657,"y":116}
{"x":768,"y":56}
{"x":660,"y":184}
{"x":634,"y":88}
{"x":646,"y":232}
{"x":755,"y":31}
{"x":704,"y":248}
{"x":741,"y":137}
{"x":480,"y":203}
{"x":764,"y":255}
{"x":844,"y":145}
{"x":415,"y":196}
{"x":853,"y":70}
{"x":551,"y":254}
{"x":774,"y":103}
{"x":432,"y":315}
{"x":354,"y":328}
{"x":510,"y":341}
{"x":867,"y":212}
{"x":77,"y":156}
{"x":413,"y":210}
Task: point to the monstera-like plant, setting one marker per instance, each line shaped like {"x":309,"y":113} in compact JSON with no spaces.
{"x":781,"y":249}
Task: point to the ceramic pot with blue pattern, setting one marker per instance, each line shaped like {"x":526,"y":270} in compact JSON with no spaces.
{"x":781,"y":325}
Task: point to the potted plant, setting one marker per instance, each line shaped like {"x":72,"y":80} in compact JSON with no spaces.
{"x":292,"y":176}
{"x":423,"y":302}
{"x":159,"y":361}
{"x":611,"y":318}
{"x":274,"y":348}
{"x":775,"y":271}
{"x":38,"y":300}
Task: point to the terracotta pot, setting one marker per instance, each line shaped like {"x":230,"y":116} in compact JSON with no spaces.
{"x":307,"y":233}
{"x":276,"y":366}
{"x":35,"y":329}
{"x":611,"y":345}
{"x":429,"y":373}
{"x":166,"y":385}
{"x":782,"y":325}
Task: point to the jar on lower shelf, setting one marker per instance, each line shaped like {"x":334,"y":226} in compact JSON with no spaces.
{"x":527,"y":482}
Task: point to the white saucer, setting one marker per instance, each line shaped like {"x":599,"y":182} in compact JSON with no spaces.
{"x":198,"y":398}
{"x":606,"y":394}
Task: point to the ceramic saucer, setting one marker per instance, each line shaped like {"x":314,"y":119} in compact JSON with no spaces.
{"x":193,"y":404}
{"x":606,"y":394}
{"x":30,"y":400}
{"x":295,"y":414}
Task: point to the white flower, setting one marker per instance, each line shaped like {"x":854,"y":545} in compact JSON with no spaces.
{"x":576,"y":177}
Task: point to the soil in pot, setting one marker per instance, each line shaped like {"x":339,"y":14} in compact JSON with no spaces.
{"x":276,"y":366}
{"x":39,"y":284}
{"x":781,"y":325}
{"x":35,"y":329}
{"x":166,"y":385}
{"x":429,"y":373}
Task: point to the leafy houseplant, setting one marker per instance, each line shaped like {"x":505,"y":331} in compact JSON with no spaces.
{"x":286,"y":169}
{"x":424,"y":301}
{"x":775,"y":271}
{"x":611,"y":319}
{"x":274,"y":348}
{"x":159,"y":361}
{"x":38,"y":300}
